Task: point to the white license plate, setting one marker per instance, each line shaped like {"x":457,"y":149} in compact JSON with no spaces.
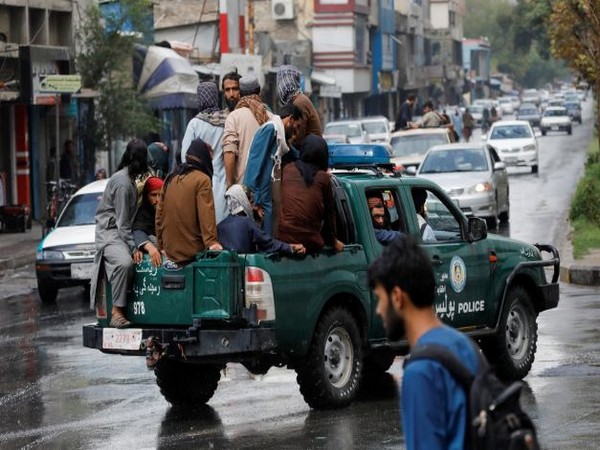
{"x":127,"y":339}
{"x":82,"y":271}
{"x":510,"y":159}
{"x":555,"y":128}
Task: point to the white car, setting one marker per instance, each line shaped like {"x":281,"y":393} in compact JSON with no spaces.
{"x":473,"y":176}
{"x":409,"y":146}
{"x":378,"y":128}
{"x":65,"y":256}
{"x":353,"y":129}
{"x":556,"y":118}
{"x":506,"y":105}
{"x":515,"y":142}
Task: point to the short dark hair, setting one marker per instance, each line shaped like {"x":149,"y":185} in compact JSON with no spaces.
{"x":428,"y":104}
{"x":405,"y":265}
{"x":419,"y":196}
{"x":410,"y":97}
{"x":289,"y":109}
{"x":230,"y":76}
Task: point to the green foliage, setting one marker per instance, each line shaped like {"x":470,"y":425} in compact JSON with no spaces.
{"x":105,"y":64}
{"x":586,"y":236}
{"x":586,"y":201}
{"x":518,"y":38}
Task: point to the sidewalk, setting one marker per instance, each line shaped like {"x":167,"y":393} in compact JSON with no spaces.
{"x":18,"y":249}
{"x":584,"y":271}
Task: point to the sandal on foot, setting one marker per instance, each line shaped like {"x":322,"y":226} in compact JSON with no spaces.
{"x":119,"y":321}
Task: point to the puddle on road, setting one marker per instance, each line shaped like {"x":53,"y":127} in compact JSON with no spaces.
{"x":572,"y":370}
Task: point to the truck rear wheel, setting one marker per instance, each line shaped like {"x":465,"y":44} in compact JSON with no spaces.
{"x":329,"y":377}
{"x":186,"y":384}
{"x":513,"y":349}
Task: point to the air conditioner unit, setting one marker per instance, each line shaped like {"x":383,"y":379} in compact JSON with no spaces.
{"x":282,"y":9}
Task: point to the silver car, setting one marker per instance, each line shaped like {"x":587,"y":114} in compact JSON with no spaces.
{"x":473,"y":176}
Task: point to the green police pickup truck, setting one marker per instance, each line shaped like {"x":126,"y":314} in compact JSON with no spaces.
{"x":315,"y":314}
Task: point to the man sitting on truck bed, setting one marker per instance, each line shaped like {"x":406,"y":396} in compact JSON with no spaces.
{"x":307,"y":210}
{"x":239,"y":232}
{"x":185,"y":216}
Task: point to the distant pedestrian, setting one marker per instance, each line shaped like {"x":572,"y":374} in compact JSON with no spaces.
{"x":405,"y":114}
{"x":434,"y":405}
{"x":68,"y":163}
{"x":457,"y":123}
{"x":486,"y":121}
{"x":100,"y":174}
{"x":468,"y":125}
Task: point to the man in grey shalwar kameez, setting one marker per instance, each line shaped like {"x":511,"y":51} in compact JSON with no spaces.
{"x":116,"y":252}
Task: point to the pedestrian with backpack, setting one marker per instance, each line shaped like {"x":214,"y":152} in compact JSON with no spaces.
{"x":434,"y":406}
{"x":450,"y":398}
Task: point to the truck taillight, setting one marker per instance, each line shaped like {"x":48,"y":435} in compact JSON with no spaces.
{"x":259,"y":292}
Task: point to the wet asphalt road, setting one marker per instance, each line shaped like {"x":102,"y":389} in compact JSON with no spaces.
{"x":56,"y":394}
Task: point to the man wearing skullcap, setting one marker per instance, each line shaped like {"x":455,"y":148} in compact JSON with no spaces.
{"x":143,"y":229}
{"x":209,"y":125}
{"x":240,"y":127}
{"x":185,"y":215}
{"x":288,"y":91}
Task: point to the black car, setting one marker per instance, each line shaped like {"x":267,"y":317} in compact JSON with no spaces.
{"x":530,"y":113}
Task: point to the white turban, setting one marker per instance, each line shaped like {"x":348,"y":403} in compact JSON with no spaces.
{"x":237,"y":201}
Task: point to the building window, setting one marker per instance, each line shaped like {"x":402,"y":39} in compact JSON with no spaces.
{"x":452,"y":18}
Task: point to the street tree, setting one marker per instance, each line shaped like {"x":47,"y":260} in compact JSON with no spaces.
{"x":574,"y":30}
{"x":105,"y":59}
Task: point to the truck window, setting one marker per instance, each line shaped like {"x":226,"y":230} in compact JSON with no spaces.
{"x":436,"y":221}
{"x":393,"y":217}
{"x":344,"y":222}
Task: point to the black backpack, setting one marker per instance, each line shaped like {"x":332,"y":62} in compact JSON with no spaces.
{"x":495,"y":418}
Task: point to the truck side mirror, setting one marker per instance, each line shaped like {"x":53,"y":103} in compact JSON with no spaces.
{"x":477,"y":229}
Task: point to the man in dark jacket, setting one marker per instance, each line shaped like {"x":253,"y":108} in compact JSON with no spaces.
{"x":239,"y":232}
{"x":405,"y":114}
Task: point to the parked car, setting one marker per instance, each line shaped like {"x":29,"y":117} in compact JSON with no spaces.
{"x":530,"y":113}
{"x":574,"y":110}
{"x":556,"y":118}
{"x":409,"y":146}
{"x":353,"y":129}
{"x":515,"y":143}
{"x":65,"y":256}
{"x":473,"y":176}
{"x":378,"y":128}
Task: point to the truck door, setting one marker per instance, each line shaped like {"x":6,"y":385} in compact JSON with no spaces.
{"x":462,"y":268}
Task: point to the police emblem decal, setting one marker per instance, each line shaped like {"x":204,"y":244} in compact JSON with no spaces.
{"x":458,"y":274}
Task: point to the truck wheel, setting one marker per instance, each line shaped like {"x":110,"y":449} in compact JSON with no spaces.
{"x":330,"y":375}
{"x":512,"y":350}
{"x":186,"y":384}
{"x":534,"y":168}
{"x":47,"y":292}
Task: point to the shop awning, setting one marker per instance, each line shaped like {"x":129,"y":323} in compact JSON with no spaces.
{"x":166,"y":79}
{"x":322,"y":78}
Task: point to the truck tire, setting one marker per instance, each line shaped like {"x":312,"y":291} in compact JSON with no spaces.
{"x":185,"y":384}
{"x":330,"y":374}
{"x":512,"y":350}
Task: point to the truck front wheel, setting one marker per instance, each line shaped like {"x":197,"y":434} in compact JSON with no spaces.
{"x":512,"y":350}
{"x":186,"y":384}
{"x":330,"y":375}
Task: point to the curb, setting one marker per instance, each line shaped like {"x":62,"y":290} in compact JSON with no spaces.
{"x":17,"y":262}
{"x":580,"y":274}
